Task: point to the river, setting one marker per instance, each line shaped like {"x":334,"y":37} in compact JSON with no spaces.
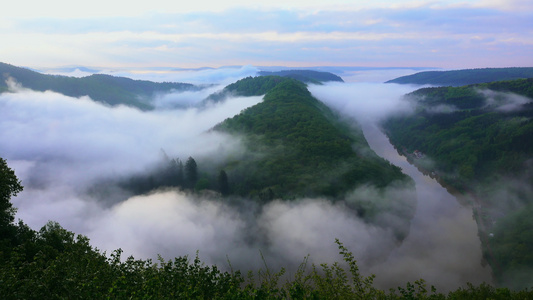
{"x":443,"y":247}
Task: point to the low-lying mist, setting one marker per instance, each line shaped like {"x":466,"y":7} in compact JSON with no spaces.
{"x":443,"y":246}
{"x":61,"y":147}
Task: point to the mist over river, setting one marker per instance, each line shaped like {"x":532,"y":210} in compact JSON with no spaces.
{"x":443,"y":247}
{"x":64,"y":149}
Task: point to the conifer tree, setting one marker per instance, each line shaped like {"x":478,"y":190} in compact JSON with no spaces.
{"x":191,"y":172}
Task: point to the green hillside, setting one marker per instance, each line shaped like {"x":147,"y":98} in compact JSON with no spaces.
{"x":107,"y":89}
{"x":246,"y":87}
{"x":307,"y":151}
{"x":299,"y":148}
{"x":464,"y":77}
{"x":260,"y":85}
{"x":479,"y":140}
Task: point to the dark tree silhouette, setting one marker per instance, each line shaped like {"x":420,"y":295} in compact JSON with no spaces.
{"x":223,"y":184}
{"x":191,"y":172}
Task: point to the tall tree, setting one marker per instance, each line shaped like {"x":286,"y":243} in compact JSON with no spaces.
{"x":9,"y":186}
{"x":191,"y":172}
{"x":223,"y":184}
{"x":180,"y":177}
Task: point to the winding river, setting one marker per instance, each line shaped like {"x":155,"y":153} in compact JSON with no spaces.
{"x":443,"y":247}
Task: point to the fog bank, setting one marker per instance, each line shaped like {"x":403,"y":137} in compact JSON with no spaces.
{"x":443,"y":246}
{"x":60,"y":146}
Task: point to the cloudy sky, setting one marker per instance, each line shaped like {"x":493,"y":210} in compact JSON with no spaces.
{"x":162,"y":33}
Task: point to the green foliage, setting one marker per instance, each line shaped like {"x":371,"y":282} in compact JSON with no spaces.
{"x":191,"y":172}
{"x":302,"y":148}
{"x":512,"y":246}
{"x":10,"y":186}
{"x":473,"y":142}
{"x":246,"y":87}
{"x":223,"y":184}
{"x":464,"y":77}
{"x":306,"y":76}
{"x":107,"y":89}
{"x":473,"y":146}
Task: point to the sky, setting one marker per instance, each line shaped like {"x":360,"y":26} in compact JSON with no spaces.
{"x":450,"y":34}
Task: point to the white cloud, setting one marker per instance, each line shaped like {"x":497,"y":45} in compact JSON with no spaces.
{"x":63,"y":134}
{"x":381,"y":33}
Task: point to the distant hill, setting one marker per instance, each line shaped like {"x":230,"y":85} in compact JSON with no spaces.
{"x":478,"y":140}
{"x":464,"y":77}
{"x":306,"y":76}
{"x":102,"y":88}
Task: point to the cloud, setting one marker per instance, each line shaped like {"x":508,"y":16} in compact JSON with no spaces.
{"x":387,"y":33}
{"x":204,"y":76}
{"x":504,"y":102}
{"x":364,"y":101}
{"x":62,"y":134}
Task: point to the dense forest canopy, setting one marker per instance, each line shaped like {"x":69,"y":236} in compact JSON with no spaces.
{"x":249,"y":86}
{"x":107,"y":89}
{"x":464,"y":77}
{"x":306,"y":76}
{"x":478,"y":139}
{"x":300,"y":148}
{"x":305,"y":138}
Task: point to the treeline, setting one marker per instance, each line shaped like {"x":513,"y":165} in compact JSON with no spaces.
{"x":53,"y":263}
{"x":479,"y":140}
{"x":107,"y":89}
{"x":173,"y":173}
{"x":246,"y":87}
{"x":306,"y":76}
{"x":464,"y":77}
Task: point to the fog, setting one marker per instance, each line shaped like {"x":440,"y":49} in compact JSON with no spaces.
{"x":504,"y":102}
{"x":443,"y":246}
{"x":60,"y":147}
{"x":222,"y":75}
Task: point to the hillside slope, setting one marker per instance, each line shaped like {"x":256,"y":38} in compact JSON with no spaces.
{"x":102,"y":88}
{"x":464,"y":77}
{"x":299,"y":148}
{"x":478,"y":140}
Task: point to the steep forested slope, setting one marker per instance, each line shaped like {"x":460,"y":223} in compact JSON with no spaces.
{"x":464,"y":77}
{"x":103,"y":88}
{"x":479,"y":140}
{"x":249,"y":86}
{"x":298,"y":148}
{"x":304,"y":149}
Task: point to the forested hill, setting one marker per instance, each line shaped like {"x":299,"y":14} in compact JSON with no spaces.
{"x":464,"y":77}
{"x":306,"y":76}
{"x":102,"y":88}
{"x":299,"y":148}
{"x":479,"y":140}
{"x":309,"y":152}
{"x":249,"y":86}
